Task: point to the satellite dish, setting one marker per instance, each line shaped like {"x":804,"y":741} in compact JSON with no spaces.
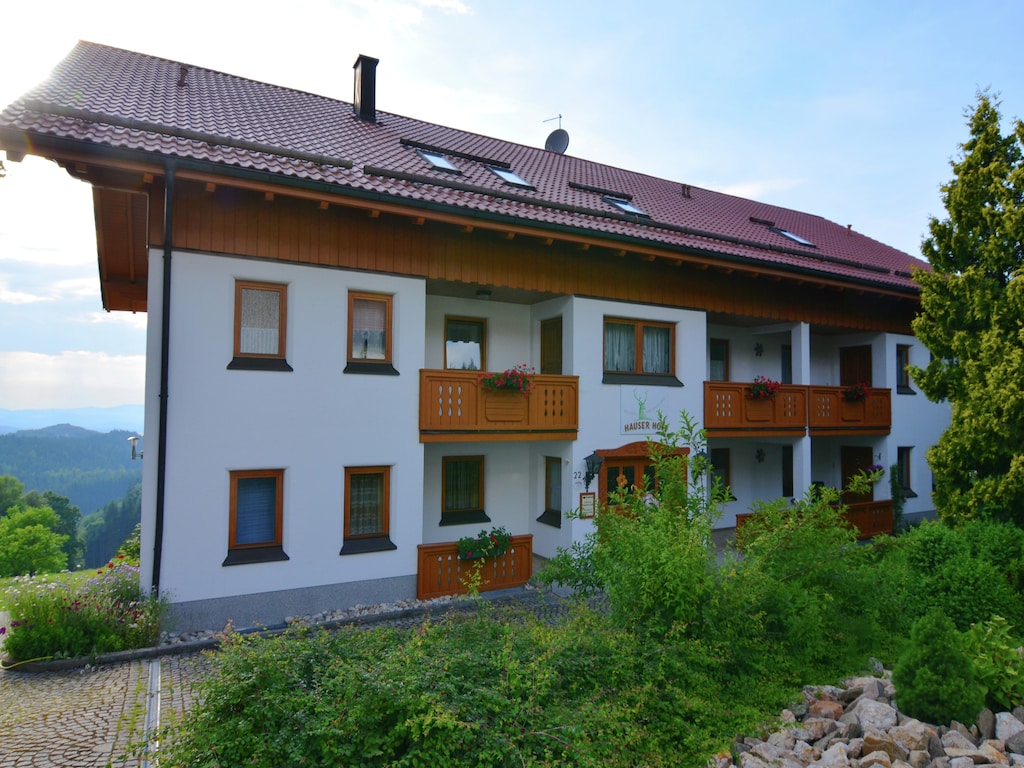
{"x":558,"y":141}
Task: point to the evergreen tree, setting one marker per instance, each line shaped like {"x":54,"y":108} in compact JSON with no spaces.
{"x":972,"y":321}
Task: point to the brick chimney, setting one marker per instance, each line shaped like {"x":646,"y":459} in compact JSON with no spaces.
{"x":364,"y":97}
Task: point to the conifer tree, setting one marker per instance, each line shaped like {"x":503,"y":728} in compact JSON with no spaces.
{"x":972,"y":321}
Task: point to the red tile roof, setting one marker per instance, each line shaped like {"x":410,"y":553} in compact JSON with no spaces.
{"x":132,"y":102}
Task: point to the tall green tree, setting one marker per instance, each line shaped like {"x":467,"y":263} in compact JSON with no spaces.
{"x":28,"y":543}
{"x":11,"y":489}
{"x":69,"y":517}
{"x":972,"y":321}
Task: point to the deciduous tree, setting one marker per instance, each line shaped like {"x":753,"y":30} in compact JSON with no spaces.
{"x":972,"y":321}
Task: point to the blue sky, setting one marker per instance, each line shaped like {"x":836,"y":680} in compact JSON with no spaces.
{"x":848,"y":110}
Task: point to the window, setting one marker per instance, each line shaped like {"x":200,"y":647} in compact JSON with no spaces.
{"x":552,"y":492}
{"x":720,"y":461}
{"x":791,"y":236}
{"x":367,"y":510}
{"x":787,"y":471}
{"x":629,"y":466}
{"x":510,"y":177}
{"x":260,"y":313}
{"x":787,"y":364}
{"x":625,"y":206}
{"x":438,"y":161}
{"x":370,"y":333}
{"x":255,"y":516}
{"x":631,"y":474}
{"x":462,"y":490}
{"x":903,"y":468}
{"x":465,"y":343}
{"x":719,"y":350}
{"x":902,"y":374}
{"x":639,"y":349}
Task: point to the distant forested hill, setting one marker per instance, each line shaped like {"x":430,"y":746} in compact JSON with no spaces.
{"x":90,"y":468}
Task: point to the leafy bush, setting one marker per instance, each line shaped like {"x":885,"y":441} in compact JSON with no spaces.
{"x":934,"y":678}
{"x":65,"y":617}
{"x":496,"y":688}
{"x":998,"y":658}
{"x":965,"y":572}
{"x":28,"y":542}
{"x":131,"y":549}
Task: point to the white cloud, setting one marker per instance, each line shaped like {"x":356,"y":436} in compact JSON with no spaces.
{"x":36,"y":380}
{"x":136,"y":320}
{"x":7,"y":296}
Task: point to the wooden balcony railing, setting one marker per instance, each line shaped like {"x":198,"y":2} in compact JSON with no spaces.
{"x":440,"y":572}
{"x":454,"y":407}
{"x":728,"y":409}
{"x":870,"y":518}
{"x":729,"y":412}
{"x":830,"y":413}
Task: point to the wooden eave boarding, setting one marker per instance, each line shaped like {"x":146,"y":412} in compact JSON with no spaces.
{"x":128,"y":194}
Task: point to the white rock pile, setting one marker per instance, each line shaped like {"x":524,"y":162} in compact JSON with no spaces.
{"x":859,"y":726}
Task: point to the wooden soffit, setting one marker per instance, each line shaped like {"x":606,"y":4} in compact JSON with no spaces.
{"x":121,"y":235}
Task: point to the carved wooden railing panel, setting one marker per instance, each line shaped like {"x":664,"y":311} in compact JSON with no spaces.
{"x":728,"y":410}
{"x":454,"y":406}
{"x":727,"y":406}
{"x":440,"y":572}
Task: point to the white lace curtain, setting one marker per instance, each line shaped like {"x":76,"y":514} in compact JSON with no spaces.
{"x":620,"y":348}
{"x":369,"y":329}
{"x":366,"y":513}
{"x":462,"y":485}
{"x":261,"y":317}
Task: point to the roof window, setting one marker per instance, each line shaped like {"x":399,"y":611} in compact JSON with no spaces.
{"x":624,"y":205}
{"x":510,"y":177}
{"x":791,"y":236}
{"x":438,"y":161}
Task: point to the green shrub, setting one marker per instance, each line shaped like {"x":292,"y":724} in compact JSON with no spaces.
{"x":66,"y":617}
{"x":497,"y":688}
{"x":28,"y":542}
{"x":998,"y":657}
{"x":968,"y":573}
{"x":131,"y":547}
{"x":934,"y":678}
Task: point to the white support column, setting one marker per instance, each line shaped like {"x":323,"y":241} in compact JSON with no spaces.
{"x":801,"y":341}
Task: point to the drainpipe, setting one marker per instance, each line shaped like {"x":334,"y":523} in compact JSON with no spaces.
{"x":165,"y":329}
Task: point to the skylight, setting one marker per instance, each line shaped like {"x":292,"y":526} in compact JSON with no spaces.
{"x":794,"y":238}
{"x":439,"y":161}
{"x":624,"y":205}
{"x":510,"y":177}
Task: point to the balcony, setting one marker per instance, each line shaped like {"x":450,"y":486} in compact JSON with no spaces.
{"x":794,"y":410}
{"x":455,"y":408}
{"x":440,"y":572}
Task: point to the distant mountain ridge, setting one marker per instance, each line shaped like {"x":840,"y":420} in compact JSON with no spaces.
{"x":91,"y":468}
{"x":126,"y":417}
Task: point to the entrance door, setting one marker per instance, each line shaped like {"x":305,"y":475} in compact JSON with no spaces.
{"x":855,"y":458}
{"x":551,"y":346}
{"x":854,"y":366}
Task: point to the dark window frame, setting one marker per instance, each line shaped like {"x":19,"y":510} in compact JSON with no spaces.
{"x":358,"y":543}
{"x":463,"y":515}
{"x":255,"y":552}
{"x":354,"y":364}
{"x":259,"y":361}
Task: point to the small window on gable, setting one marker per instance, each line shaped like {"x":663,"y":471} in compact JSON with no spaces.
{"x":370,"y":333}
{"x":255,"y":516}
{"x":438,"y":161}
{"x":462,"y":490}
{"x":510,"y":177}
{"x":791,"y":236}
{"x":260,"y":326}
{"x":367,"y":510}
{"x":625,"y":206}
